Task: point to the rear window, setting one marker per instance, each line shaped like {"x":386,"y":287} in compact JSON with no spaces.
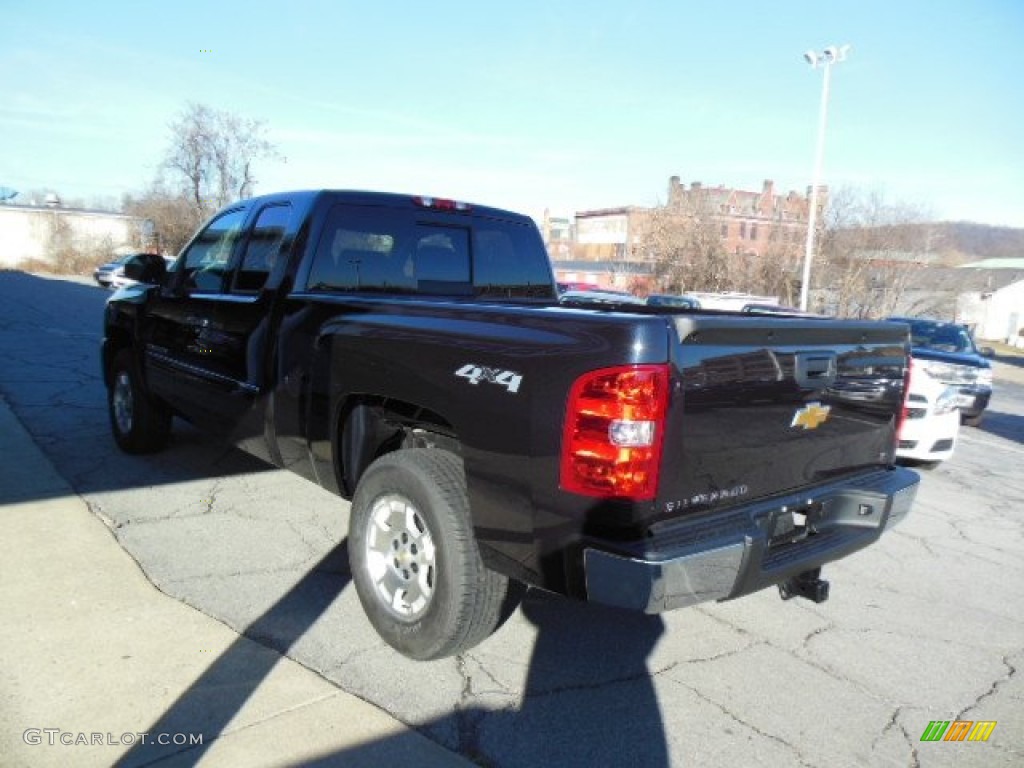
{"x":386,"y":250}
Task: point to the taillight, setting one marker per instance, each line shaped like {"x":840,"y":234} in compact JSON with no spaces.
{"x":901,"y":417}
{"x":614,"y":429}
{"x":441,"y":204}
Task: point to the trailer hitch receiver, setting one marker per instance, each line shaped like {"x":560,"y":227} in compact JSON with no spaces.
{"x":807,"y":584}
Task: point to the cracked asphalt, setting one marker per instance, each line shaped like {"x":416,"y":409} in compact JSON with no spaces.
{"x":926,"y":625}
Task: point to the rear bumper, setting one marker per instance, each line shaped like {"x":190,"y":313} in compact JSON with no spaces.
{"x":733,"y":553}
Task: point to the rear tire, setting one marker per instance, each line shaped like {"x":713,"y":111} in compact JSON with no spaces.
{"x":415,"y":561}
{"x":139,"y":423}
{"x":974,"y":421}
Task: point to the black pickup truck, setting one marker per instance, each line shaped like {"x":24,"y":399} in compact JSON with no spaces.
{"x":411,"y":354}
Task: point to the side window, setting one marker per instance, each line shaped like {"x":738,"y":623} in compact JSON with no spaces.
{"x":262,"y":248}
{"x":358,"y":252}
{"x":206,"y":260}
{"x":388,"y":251}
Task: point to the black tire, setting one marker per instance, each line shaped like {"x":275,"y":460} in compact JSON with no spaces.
{"x":974,"y":421}
{"x":414,"y":559}
{"x":139,"y":424}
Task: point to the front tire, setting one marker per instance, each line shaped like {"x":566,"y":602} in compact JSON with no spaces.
{"x":415,"y":561}
{"x":139,"y":424}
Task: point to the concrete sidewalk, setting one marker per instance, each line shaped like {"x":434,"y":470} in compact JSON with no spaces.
{"x":93,"y":657}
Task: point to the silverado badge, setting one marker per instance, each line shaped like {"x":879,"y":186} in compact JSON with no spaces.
{"x":811,"y":416}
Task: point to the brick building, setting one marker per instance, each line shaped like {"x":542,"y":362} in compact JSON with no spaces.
{"x":749,"y":222}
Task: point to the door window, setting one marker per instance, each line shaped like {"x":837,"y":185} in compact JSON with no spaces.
{"x":206,"y":261}
{"x":263,"y":248}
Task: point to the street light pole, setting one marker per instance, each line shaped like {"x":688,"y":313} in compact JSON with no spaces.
{"x":826,"y":59}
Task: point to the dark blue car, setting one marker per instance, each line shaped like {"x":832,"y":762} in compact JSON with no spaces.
{"x":949,"y":354}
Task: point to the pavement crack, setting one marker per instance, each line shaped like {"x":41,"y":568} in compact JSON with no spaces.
{"x":487,"y":673}
{"x":894,"y":724}
{"x":919,"y":540}
{"x":996,"y":685}
{"x":803,"y":760}
{"x":211,"y":501}
{"x":815,"y":633}
{"x":467,"y":717}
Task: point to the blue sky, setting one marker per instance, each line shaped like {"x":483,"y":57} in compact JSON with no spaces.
{"x":532,"y":105}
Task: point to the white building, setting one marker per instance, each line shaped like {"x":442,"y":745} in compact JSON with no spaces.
{"x":34,"y":232}
{"x":997,"y":310}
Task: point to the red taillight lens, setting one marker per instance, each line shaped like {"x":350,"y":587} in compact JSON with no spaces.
{"x":901,"y":417}
{"x":614,"y":429}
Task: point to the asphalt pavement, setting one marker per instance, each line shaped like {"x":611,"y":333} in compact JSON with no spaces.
{"x":926,"y":625}
{"x":95,"y":656}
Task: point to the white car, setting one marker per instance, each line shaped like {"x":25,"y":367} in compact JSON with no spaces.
{"x":116,"y":278}
{"x":932,"y":420}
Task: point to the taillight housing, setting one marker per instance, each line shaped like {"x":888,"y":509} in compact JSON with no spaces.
{"x":901,"y":417}
{"x":614,"y":430}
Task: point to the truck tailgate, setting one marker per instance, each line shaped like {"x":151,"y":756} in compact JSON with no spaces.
{"x":766,"y":406}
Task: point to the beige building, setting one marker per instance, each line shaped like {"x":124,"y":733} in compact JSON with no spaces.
{"x":39,"y":232}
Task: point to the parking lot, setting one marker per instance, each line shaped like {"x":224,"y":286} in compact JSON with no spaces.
{"x":927,"y":625}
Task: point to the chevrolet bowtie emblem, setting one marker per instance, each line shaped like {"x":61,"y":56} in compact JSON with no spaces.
{"x":811,"y":416}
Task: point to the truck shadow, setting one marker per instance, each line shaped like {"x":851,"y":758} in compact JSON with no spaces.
{"x":589,"y":698}
{"x":1009,"y":426}
{"x":216,"y":697}
{"x":1015,"y":360}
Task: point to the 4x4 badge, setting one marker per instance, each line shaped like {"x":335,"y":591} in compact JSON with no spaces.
{"x":811,"y":416}
{"x":510,"y":380}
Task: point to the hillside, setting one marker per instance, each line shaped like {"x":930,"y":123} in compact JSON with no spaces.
{"x":980,"y":240}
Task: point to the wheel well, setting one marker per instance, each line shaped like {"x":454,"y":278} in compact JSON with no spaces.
{"x":116,"y":340}
{"x":370,"y":427}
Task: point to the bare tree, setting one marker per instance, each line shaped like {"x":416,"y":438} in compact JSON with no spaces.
{"x":683,"y":242}
{"x":870,"y":248}
{"x":208,"y":163}
{"x":776,"y":272}
{"x":684,"y":246}
{"x":211,"y":154}
{"x":172,"y":218}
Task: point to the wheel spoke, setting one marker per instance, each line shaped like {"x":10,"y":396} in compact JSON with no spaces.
{"x":400,"y":556}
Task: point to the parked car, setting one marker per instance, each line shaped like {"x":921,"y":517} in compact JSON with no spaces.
{"x":105,"y":273}
{"x":571,"y":286}
{"x":772,"y":309}
{"x":118,"y":279}
{"x":667,"y":300}
{"x":931,"y":420}
{"x":950,"y":355}
{"x":599,"y":297}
